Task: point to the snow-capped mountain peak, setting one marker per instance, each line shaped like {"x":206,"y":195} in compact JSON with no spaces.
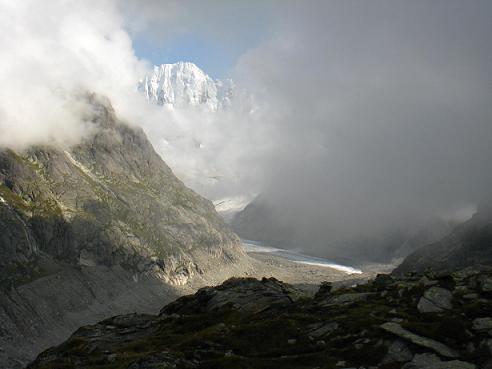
{"x":184,"y":84}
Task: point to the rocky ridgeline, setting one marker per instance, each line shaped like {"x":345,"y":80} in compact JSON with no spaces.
{"x":111,"y":200}
{"x":93,"y":230}
{"x":431,"y":321}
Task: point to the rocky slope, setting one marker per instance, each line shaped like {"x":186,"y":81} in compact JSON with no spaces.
{"x":468,"y":244}
{"x":421,"y":321}
{"x":97,"y":228}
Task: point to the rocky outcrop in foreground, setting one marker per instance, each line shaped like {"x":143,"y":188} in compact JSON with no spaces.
{"x":420,"y":321}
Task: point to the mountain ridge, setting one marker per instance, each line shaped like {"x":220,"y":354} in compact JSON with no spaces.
{"x":184,"y":84}
{"x":98,"y":228}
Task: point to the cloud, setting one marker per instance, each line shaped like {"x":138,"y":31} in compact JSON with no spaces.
{"x":54,"y":51}
{"x":51,"y":52}
{"x":381,"y":110}
{"x":371,"y":113}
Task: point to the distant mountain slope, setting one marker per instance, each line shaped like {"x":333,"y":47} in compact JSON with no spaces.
{"x":469,"y":244}
{"x":262,"y":221}
{"x":80,"y":227}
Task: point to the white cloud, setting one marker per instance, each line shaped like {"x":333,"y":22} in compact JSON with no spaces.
{"x":51,"y":52}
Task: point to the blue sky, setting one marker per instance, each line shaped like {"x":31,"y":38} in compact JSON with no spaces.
{"x":199,"y":37}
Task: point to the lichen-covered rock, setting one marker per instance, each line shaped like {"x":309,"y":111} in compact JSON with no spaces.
{"x":426,"y":342}
{"x":398,"y":352}
{"x":430,"y":361}
{"x":482,"y":324}
{"x":435,"y":299}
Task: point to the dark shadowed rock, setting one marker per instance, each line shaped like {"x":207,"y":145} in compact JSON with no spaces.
{"x":438,"y":347}
{"x":248,"y":323}
{"x":435,"y":299}
{"x":469,"y":244}
{"x":430,"y":361}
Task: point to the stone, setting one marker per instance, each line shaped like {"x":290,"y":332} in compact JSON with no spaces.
{"x":435,"y":299}
{"x":426,"y":282}
{"x":348,"y":298}
{"x":320,"y":330}
{"x":486,"y":284}
{"x":382,"y":281}
{"x":486,"y":347}
{"x":431,"y":361}
{"x":421,"y":341}
{"x":398,"y":352}
{"x":324,"y":290}
{"x":482,"y":324}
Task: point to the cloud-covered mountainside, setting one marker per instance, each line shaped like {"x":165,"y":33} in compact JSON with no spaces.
{"x":110,"y":200}
{"x":106,"y":218}
{"x":207,"y":128}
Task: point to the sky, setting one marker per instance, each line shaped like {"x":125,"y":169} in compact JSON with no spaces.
{"x":212,"y":34}
{"x":370,"y":115}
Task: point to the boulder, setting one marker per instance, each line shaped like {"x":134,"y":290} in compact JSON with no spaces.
{"x":482,"y":324}
{"x":398,"y":352}
{"x":431,"y":361}
{"x":348,"y":298}
{"x":425,"y":342}
{"x":435,"y":299}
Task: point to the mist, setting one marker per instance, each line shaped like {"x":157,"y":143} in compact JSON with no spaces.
{"x":383,"y":115}
{"x":52,"y":53}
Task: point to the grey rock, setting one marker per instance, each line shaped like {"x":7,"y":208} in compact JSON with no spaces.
{"x":398,"y":352}
{"x":482,"y":324}
{"x":486,"y":347}
{"x":322,"y":329}
{"x":431,"y":361}
{"x":421,"y":341}
{"x":486,"y":284}
{"x":348,"y":298}
{"x":383,"y":281}
{"x":425,"y":281}
{"x":435,"y":299}
{"x":245,"y":295}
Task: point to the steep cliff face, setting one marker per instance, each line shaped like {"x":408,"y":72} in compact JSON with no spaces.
{"x":108,"y":201}
{"x":109,"y":211}
{"x":469,"y":244}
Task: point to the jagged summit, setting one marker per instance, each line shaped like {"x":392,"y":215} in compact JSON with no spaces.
{"x":184,"y":84}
